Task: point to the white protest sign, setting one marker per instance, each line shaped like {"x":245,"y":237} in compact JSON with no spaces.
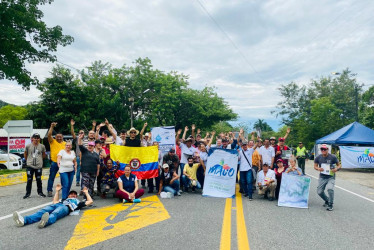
{"x":357,"y":157}
{"x":165,"y":136}
{"x":220,"y":174}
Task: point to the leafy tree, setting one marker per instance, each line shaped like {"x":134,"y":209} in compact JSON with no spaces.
{"x":2,"y":103}
{"x":367,"y":108}
{"x":103,"y":92}
{"x":10,"y":112}
{"x":262,"y":125}
{"x":24,"y":37}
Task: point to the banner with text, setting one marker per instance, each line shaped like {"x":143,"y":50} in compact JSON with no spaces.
{"x":294,"y":191}
{"x":165,"y":136}
{"x":220,"y":173}
{"x":18,"y":145}
{"x":357,"y":157}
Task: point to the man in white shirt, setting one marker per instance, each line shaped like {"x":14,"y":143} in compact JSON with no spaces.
{"x":267,"y":153}
{"x":266,"y":182}
{"x":246,"y":178}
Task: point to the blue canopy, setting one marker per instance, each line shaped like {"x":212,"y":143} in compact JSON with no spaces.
{"x":354,"y":133}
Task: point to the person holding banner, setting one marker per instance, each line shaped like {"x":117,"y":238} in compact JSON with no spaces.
{"x":189,"y":174}
{"x":34,"y":155}
{"x":246,"y":175}
{"x":327,"y":164}
{"x":278,"y":175}
{"x":128,"y":189}
{"x":280,"y":150}
{"x":293,"y":169}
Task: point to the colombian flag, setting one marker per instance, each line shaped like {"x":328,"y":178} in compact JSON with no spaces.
{"x":142,"y":160}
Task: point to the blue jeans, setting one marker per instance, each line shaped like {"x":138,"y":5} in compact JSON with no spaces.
{"x":56,"y":212}
{"x":172,"y":188}
{"x":66,"y":181}
{"x":182,"y":167}
{"x":246,"y":180}
{"x":187,"y":182}
{"x":78,"y":174}
{"x":52,"y":175}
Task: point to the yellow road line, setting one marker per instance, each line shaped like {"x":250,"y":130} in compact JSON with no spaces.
{"x":226,"y":226}
{"x":241,"y":228}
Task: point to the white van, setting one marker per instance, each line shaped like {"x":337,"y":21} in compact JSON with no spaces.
{"x":11,"y":162}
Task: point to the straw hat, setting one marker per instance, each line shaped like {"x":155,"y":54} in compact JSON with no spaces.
{"x":132,"y":129}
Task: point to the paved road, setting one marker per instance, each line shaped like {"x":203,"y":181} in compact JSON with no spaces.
{"x":196,"y":222}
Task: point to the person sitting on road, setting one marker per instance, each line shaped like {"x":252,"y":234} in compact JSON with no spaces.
{"x":169,"y":181}
{"x":189,"y":174}
{"x":50,"y":214}
{"x":128,"y":190}
{"x":109,"y":180}
{"x":293,"y":169}
{"x":266,"y":182}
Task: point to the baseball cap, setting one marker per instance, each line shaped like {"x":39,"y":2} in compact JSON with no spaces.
{"x":279,"y":160}
{"x":245,"y":142}
{"x":165,"y":166}
{"x":36,"y":135}
{"x":324,"y":146}
{"x":281,"y":139}
{"x":172,"y":150}
{"x":272,"y":138}
{"x":91,"y":143}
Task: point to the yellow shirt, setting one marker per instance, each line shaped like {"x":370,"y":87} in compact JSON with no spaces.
{"x":191,"y":171}
{"x":256,"y":158}
{"x":56,"y":148}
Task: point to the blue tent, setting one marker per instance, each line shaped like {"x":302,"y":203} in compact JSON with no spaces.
{"x":354,"y":133}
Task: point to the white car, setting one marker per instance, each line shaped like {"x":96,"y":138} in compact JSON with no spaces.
{"x":11,"y":162}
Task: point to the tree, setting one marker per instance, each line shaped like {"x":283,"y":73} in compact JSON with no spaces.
{"x":367,"y":108}
{"x":262,"y":125}
{"x":103,"y":92}
{"x":10,"y":112}
{"x":24,"y":37}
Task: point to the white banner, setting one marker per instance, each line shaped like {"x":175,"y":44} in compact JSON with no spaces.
{"x":165,"y":136}
{"x":294,"y":191}
{"x":220,"y":174}
{"x":18,"y":145}
{"x":357,"y":157}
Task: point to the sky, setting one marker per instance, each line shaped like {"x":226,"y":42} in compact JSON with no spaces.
{"x":245,"y":49}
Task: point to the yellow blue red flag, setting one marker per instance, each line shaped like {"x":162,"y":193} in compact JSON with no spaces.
{"x":142,"y":160}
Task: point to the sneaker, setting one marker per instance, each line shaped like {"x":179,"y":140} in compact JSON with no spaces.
{"x":26,"y":196}
{"x":245,"y":195}
{"x":250,"y":198}
{"x":50,"y":194}
{"x":326,"y":204}
{"x":43,"y":222}
{"x":18,"y":219}
{"x":136,"y":200}
{"x":77,"y":184}
{"x":124,"y":201}
{"x":42,"y":195}
{"x":179,"y":193}
{"x":329,"y":207}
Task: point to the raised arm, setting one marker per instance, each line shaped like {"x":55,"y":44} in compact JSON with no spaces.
{"x":56,"y":198}
{"x":93,"y":125}
{"x":184,"y":133}
{"x":72,"y":123}
{"x":287,"y":133}
{"x":177,"y":137}
{"x":97,"y":135}
{"x":111,"y":129}
{"x":50,"y":131}
{"x":211,"y":139}
{"x":193,"y":127}
{"x":142,"y":131}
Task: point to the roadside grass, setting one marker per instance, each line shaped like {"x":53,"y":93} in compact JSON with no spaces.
{"x":7,"y":171}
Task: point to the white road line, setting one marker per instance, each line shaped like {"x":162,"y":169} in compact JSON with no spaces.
{"x":26,"y":210}
{"x":363,"y":197}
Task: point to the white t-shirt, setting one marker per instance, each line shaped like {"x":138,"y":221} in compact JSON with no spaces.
{"x":270,"y":175}
{"x":66,"y":163}
{"x":244,"y":165}
{"x":267,"y":154}
{"x":186,"y":152}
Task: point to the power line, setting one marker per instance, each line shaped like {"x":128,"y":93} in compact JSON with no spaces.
{"x":227,"y":36}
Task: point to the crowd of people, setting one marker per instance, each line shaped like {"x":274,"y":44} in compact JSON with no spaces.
{"x":261,"y":164}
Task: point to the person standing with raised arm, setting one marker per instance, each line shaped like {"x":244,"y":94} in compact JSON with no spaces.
{"x":56,"y":146}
